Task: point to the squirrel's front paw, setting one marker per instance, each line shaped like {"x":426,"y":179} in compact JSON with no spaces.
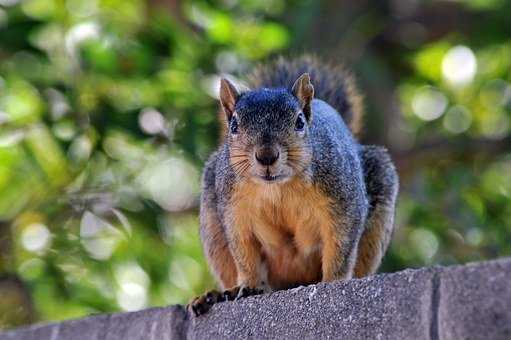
{"x":202,"y":304}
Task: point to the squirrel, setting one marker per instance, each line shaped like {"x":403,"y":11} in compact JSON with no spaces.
{"x":290,"y":197}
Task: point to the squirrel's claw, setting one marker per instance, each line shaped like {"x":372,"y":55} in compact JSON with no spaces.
{"x":231,"y":294}
{"x":245,"y":291}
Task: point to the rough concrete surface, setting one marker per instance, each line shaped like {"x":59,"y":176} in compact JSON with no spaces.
{"x":459,"y":302}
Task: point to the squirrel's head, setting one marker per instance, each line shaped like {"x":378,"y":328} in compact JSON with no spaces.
{"x":268,"y":130}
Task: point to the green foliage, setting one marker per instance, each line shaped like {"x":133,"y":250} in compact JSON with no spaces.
{"x":108,"y":111}
{"x":107,"y":115}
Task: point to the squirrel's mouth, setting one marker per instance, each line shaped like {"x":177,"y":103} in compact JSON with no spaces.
{"x":271,"y":175}
{"x":271,"y":178}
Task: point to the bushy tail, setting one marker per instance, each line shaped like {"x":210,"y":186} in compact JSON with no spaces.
{"x":331,"y":83}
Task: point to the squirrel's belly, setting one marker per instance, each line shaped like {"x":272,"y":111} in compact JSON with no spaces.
{"x":289,"y":222}
{"x":288,"y":268}
{"x":290,"y":238}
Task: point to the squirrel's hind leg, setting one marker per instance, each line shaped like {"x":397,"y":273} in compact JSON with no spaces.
{"x":382,"y":187}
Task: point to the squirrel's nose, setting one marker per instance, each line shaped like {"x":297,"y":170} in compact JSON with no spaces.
{"x":267,"y":156}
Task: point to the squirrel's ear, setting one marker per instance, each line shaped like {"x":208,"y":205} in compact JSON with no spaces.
{"x":228,"y":97}
{"x":304,"y":92}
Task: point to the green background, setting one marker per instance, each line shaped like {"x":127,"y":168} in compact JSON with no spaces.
{"x":108,"y":112}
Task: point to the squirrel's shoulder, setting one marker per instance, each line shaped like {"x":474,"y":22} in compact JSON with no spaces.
{"x":336,"y":152}
{"x":325,"y":115}
{"x":328,"y":129}
{"x":217,"y":175}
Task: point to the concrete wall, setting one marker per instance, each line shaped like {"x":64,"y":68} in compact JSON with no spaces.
{"x":459,"y":302}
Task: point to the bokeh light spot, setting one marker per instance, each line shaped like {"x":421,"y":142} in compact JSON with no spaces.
{"x":474,"y":237}
{"x":172,"y":183}
{"x":151,"y":121}
{"x":457,"y":119}
{"x":98,"y":237}
{"x":459,"y":66}
{"x":8,"y":3}
{"x":429,"y":103}
{"x":425,"y":242}
{"x":133,"y":285}
{"x":36,"y":237}
{"x":79,"y":34}
{"x":80,"y":149}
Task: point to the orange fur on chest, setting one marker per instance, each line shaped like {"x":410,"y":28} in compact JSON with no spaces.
{"x":288,"y":221}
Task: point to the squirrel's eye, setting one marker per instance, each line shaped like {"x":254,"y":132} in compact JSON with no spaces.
{"x":300,"y":123}
{"x":234,"y":126}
